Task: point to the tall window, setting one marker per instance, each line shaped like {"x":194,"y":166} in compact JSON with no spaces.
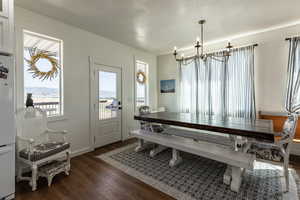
{"x":218,"y":88}
{"x":46,"y":92}
{"x":141,"y":84}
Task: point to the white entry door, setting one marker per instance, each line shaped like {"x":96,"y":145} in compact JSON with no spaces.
{"x":106,"y":109}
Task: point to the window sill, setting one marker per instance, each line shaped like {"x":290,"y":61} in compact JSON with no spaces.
{"x":56,"y":118}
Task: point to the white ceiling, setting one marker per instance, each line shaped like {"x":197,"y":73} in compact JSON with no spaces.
{"x":158,"y":25}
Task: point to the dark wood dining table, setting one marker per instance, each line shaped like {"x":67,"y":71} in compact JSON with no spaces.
{"x":259,"y":129}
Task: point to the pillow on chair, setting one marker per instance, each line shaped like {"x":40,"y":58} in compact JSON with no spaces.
{"x":266,"y":152}
{"x":44,"y":150}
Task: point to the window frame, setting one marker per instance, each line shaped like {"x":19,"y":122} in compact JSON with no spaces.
{"x":146,"y":84}
{"x":61,"y":115}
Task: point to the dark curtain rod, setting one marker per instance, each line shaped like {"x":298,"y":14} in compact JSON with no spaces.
{"x":191,"y":57}
{"x":289,"y":38}
{"x":237,"y":47}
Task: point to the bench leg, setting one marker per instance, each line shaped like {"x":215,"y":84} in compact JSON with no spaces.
{"x":176,"y":159}
{"x":140,"y":146}
{"x":227,"y":176}
{"x":68,"y":166}
{"x":157,"y":150}
{"x":236,"y":175}
{"x":50,"y":178}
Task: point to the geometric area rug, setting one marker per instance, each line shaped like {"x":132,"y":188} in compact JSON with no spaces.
{"x":198,"y":178}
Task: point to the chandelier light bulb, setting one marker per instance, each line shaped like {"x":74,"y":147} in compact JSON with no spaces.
{"x":175,"y":48}
{"x":198,"y":39}
{"x":182,"y":55}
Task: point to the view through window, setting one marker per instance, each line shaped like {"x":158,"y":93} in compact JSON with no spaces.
{"x":46,"y":94}
{"x":141,"y":90}
{"x":107,"y":94}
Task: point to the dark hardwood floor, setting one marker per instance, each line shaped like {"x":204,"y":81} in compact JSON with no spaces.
{"x":92,"y":178}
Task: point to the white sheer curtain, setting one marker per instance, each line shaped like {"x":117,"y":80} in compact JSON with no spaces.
{"x":211,"y":76}
{"x":219,"y":88}
{"x":292,"y":102}
{"x":188,"y":87}
{"x":240,"y":93}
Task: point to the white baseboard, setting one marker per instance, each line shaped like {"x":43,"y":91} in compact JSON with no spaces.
{"x":81,"y":151}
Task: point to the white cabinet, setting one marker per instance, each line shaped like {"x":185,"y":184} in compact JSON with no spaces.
{"x":7,"y":171}
{"x":7,"y":117}
{"x":6,"y":26}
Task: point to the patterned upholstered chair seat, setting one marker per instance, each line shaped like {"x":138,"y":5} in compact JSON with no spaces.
{"x":44,"y":150}
{"x":266,"y":151}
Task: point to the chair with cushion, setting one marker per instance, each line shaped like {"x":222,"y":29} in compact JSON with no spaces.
{"x":37,"y":145}
{"x":278,"y":151}
{"x":153,"y":127}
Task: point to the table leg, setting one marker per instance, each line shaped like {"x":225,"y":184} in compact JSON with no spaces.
{"x":233,"y":175}
{"x":157,"y":150}
{"x":143,"y":145}
{"x":176,"y":159}
{"x":236,"y":175}
{"x":227,"y":176}
{"x":140,"y":146}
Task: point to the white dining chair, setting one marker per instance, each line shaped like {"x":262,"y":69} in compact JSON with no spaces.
{"x":151,"y":127}
{"x":280,"y":149}
{"x":38,"y":145}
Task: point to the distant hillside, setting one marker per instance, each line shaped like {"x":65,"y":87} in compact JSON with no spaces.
{"x":43,"y":91}
{"x":106,"y":94}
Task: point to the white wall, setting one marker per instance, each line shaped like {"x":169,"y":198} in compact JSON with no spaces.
{"x":167,"y":68}
{"x":78,"y":46}
{"x":271,"y":57}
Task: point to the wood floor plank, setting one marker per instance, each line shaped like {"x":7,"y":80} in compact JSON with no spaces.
{"x":94,"y":179}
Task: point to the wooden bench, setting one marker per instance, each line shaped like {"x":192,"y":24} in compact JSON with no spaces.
{"x":201,"y":135}
{"x":237,"y":161}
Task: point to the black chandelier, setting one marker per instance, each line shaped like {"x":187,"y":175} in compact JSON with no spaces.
{"x":199,"y":49}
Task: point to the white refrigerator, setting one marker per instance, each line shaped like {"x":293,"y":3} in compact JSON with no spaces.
{"x":7,"y":128}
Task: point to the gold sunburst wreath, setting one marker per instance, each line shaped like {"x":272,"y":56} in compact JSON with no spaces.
{"x":140,"y":80}
{"x":35,"y":56}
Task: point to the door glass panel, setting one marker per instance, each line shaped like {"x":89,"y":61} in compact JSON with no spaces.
{"x":108,"y":100}
{"x":1,"y":5}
